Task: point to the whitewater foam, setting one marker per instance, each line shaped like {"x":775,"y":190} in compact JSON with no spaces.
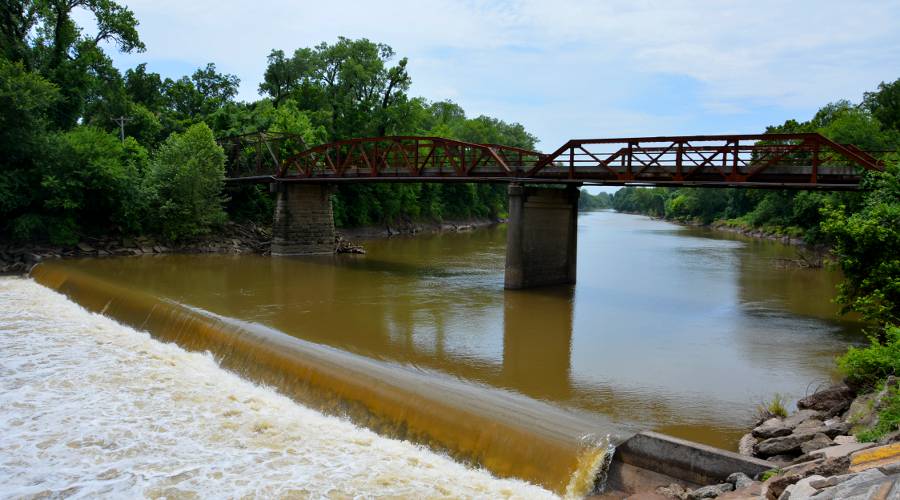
{"x":91,"y":407}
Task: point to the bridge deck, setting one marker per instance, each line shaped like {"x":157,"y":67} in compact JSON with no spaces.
{"x":803,"y":161}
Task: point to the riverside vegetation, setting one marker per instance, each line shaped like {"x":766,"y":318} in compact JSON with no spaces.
{"x":844,"y":440}
{"x":67,"y":177}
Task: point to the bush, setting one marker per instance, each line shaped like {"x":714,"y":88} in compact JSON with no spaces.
{"x":866,"y":367}
{"x":184,"y":184}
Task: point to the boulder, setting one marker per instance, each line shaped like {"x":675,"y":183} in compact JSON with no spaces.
{"x":802,"y":488}
{"x":783,"y":444}
{"x":865,"y":485}
{"x":845,"y":440}
{"x":831,"y":401}
{"x":810,"y":425}
{"x":782,"y":460}
{"x":835,"y":429}
{"x":752,"y":492}
{"x":746,"y":444}
{"x":863,"y":411}
{"x":801,"y":416}
{"x":673,"y":490}
{"x":739,"y":480}
{"x":711,"y":491}
{"x":818,"y":442}
{"x":841,"y":450}
{"x":773,"y":427}
{"x":831,"y":466}
{"x":778,"y":484}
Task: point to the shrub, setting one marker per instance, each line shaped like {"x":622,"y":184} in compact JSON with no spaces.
{"x":865,"y":367}
{"x":184,"y":184}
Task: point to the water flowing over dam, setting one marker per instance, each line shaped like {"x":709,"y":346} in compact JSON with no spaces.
{"x":92,"y":408}
{"x":418,"y":340}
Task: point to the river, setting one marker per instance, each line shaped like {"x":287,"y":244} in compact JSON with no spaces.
{"x":674,"y":329}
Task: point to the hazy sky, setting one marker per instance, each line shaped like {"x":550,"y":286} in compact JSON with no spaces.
{"x":565,"y":68}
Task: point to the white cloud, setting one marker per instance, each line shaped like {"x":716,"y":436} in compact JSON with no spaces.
{"x":564,"y":66}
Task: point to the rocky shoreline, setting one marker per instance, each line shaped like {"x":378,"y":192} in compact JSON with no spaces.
{"x":756,"y":233}
{"x":411,"y":228}
{"x":230,"y":239}
{"x":814,"y":453}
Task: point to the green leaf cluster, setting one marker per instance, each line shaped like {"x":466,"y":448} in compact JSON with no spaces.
{"x":866,"y":367}
{"x":184,"y":184}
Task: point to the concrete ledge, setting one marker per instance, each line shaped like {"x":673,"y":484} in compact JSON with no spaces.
{"x":649,"y":459}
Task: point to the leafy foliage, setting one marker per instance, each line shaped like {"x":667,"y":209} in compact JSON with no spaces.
{"x":184,"y":184}
{"x":866,"y":243}
{"x":866,"y":367}
{"x":588,"y":201}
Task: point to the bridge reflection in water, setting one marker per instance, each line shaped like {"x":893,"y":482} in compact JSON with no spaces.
{"x":667,"y":330}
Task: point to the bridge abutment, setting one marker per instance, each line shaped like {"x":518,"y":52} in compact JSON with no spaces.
{"x":304,"y":220}
{"x":542,"y":236}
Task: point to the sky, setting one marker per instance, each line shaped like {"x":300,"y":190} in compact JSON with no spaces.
{"x":563,"y":68}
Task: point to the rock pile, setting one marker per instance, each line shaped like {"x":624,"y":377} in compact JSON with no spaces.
{"x":814,"y":453}
{"x":821,"y":427}
{"x":343,"y":246}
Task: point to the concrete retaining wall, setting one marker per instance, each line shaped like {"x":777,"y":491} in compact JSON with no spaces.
{"x":649,"y":460}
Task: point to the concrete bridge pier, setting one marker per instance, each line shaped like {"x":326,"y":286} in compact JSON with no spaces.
{"x":542,"y":236}
{"x":304,"y":220}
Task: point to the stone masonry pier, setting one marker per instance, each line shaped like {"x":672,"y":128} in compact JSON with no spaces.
{"x":541,"y":241}
{"x":304,"y":221}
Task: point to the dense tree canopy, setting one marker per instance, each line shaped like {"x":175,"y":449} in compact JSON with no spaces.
{"x":65,"y":174}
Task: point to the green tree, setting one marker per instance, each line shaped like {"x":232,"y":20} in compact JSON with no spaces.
{"x":93,"y":186}
{"x":885,"y":104}
{"x":184,"y":184}
{"x":351,"y":80}
{"x":866,"y":244}
{"x":25,"y":99}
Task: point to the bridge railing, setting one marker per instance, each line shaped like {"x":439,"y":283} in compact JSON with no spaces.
{"x":259,"y":154}
{"x":408,"y":157}
{"x":802,"y":160}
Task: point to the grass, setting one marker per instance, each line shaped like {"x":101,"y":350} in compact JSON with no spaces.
{"x":774,"y":408}
{"x":769,"y":474}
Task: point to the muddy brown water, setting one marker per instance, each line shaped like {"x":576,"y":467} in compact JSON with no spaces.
{"x":673,"y":329}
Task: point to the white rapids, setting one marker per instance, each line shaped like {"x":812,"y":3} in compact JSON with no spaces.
{"x":89,"y":407}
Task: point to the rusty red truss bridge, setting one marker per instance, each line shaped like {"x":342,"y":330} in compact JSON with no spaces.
{"x":800,"y":161}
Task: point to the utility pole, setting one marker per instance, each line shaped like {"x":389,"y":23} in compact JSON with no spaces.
{"x":122,"y":120}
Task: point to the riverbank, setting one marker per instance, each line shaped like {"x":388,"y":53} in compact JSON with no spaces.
{"x":411,"y":228}
{"x":815,"y":453}
{"x":232,"y":238}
